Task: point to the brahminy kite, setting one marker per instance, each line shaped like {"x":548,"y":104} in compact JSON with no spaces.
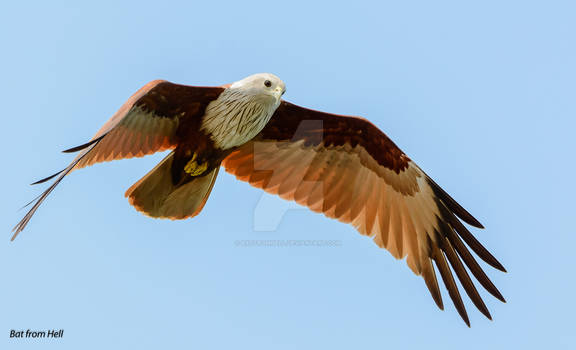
{"x":341,"y":166}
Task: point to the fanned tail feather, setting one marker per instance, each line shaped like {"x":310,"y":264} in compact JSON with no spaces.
{"x":157,"y":196}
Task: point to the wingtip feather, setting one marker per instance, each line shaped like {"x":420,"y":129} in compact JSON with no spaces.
{"x":83,"y":146}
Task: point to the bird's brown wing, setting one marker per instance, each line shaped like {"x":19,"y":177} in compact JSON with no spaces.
{"x":346,"y":168}
{"x":147,"y":123}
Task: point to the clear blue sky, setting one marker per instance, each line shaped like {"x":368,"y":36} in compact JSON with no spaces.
{"x":481,"y":96}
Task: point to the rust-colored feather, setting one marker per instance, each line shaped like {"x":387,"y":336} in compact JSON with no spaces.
{"x":157,"y":117}
{"x":347,"y":169}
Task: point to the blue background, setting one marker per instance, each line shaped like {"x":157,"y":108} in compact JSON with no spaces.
{"x":480,"y":95}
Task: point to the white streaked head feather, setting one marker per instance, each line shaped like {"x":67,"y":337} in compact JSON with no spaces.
{"x":261,"y":84}
{"x":243,"y":110}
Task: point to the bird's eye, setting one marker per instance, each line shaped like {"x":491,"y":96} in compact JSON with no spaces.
{"x":267,"y":83}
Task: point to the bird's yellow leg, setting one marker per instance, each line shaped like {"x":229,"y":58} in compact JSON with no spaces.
{"x":192,"y":168}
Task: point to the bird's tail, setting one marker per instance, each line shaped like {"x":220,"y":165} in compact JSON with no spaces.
{"x":157,"y":196}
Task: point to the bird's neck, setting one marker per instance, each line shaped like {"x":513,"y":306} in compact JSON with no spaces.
{"x":235,"y":118}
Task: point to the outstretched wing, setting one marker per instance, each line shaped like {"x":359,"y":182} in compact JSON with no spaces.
{"x":147,"y":123}
{"x":346,"y":168}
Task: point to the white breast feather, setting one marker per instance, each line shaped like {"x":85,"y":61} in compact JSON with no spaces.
{"x":235,"y":118}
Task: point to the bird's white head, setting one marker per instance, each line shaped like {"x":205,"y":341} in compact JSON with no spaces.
{"x":243,"y":109}
{"x":265,"y":85}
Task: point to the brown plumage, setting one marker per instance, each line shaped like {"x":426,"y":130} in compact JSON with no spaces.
{"x":341,"y":166}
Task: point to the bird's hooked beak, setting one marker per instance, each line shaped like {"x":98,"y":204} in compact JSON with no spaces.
{"x":280,"y":91}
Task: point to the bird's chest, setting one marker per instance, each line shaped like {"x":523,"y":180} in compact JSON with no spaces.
{"x":233,"y":125}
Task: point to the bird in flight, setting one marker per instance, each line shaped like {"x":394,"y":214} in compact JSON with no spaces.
{"x":341,"y":166}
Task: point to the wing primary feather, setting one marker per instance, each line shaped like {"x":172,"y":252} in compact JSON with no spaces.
{"x":83,"y":146}
{"x":450,"y":284}
{"x":40,"y":199}
{"x":32,"y":201}
{"x":22,"y":224}
{"x":70,"y":150}
{"x":473,"y":265}
{"x":44,"y":180}
{"x":461,"y":273}
{"x":453,"y":205}
{"x":432,"y":282}
{"x":475,"y":268}
{"x":472,"y":242}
